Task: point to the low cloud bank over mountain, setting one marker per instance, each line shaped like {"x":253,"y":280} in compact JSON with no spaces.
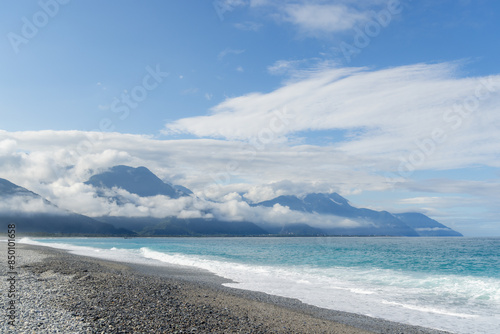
{"x":127,"y":200}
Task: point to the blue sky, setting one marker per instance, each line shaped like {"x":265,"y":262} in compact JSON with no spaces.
{"x":262,"y":98}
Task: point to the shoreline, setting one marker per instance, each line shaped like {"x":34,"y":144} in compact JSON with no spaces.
{"x":115,"y":297}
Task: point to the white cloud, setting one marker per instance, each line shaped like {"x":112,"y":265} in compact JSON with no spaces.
{"x":27,"y":205}
{"x":428,"y":229}
{"x":81,"y":198}
{"x":229,"y":51}
{"x":234,"y":209}
{"x":7,"y":146}
{"x":320,"y":18}
{"x":420,"y":200}
{"x":283,"y":66}
{"x":248,"y":26}
{"x":486,"y":188}
{"x":386,"y":115}
{"x":55,"y":164}
{"x":263,"y":192}
{"x":298,"y":70}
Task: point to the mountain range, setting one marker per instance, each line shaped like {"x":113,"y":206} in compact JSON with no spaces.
{"x":335,"y":214}
{"x":48,"y":219}
{"x":140,"y":181}
{"x":375,"y":222}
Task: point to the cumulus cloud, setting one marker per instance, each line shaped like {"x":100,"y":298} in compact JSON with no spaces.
{"x":7,"y":146}
{"x":58,"y":169}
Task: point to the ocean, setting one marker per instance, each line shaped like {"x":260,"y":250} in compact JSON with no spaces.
{"x":450,"y":284}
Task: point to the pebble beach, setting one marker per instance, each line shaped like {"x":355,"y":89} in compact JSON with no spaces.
{"x":58,"y":292}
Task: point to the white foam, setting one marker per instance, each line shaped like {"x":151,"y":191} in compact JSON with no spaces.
{"x":431,"y":310}
{"x":430,"y":301}
{"x":454,"y":303}
{"x":113,"y":254}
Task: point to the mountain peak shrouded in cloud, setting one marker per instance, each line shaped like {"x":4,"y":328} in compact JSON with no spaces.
{"x":140,"y":181}
{"x":154,"y":208}
{"x":426,"y":226}
{"x":8,"y":188}
{"x":19,"y":200}
{"x":314,"y":202}
{"x":369,"y":222}
{"x":35,"y":215}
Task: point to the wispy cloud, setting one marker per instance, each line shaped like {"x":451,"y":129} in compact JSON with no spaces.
{"x":419,"y":200}
{"x":299,"y":69}
{"x":318,"y":18}
{"x":486,"y":189}
{"x":229,"y":51}
{"x":313,"y":19}
{"x":190,"y":91}
{"x":388,"y":114}
{"x":248,"y":26}
{"x":283,"y":66}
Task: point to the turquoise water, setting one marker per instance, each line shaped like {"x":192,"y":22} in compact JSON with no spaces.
{"x":445,"y":283}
